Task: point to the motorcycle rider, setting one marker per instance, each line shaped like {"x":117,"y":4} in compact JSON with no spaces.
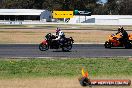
{"x":60,"y":36}
{"x":119,"y":30}
{"x":124,"y":38}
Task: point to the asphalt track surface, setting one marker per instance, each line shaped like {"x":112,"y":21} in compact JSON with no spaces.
{"x":78,"y":51}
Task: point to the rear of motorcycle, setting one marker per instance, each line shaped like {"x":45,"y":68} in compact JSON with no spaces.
{"x":114,"y":42}
{"x":43,"y":46}
{"x":108,"y":44}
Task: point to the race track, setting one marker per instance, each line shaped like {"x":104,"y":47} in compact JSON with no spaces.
{"x":78,"y":51}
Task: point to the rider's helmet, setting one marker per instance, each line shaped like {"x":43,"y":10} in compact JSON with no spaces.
{"x":57,"y":30}
{"x":122,"y":29}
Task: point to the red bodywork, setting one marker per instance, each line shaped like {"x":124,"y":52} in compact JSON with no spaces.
{"x":45,"y":42}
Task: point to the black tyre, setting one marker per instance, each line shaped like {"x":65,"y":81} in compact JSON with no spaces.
{"x":43,"y":47}
{"x":131,"y":43}
{"x":128,"y":45}
{"x":67,"y":47}
{"x":107,"y":44}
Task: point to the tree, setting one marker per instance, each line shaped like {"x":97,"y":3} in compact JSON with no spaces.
{"x":121,"y":7}
{"x":18,"y":4}
{"x":111,"y":7}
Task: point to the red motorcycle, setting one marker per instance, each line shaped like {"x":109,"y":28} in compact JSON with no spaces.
{"x":49,"y":43}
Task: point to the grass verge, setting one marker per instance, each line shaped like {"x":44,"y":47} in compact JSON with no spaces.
{"x":35,"y":33}
{"x":32,"y":68}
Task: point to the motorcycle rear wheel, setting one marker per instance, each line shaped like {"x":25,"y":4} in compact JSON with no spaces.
{"x":107,"y":44}
{"x":43,"y":47}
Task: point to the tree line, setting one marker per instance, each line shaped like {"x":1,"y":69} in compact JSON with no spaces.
{"x":112,"y":7}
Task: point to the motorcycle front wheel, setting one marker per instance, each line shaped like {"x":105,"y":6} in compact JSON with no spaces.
{"x":67,"y":47}
{"x":128,"y":45}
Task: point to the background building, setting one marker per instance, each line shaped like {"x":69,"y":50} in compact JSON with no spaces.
{"x":103,"y":19}
{"x":25,"y":14}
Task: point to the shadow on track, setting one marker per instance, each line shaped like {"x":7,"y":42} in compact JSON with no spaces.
{"x":61,"y":51}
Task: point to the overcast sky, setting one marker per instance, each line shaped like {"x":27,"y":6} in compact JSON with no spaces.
{"x":104,"y":1}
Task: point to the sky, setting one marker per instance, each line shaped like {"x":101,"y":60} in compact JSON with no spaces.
{"x":104,"y":1}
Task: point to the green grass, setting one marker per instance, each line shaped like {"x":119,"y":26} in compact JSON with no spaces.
{"x":16,"y":68}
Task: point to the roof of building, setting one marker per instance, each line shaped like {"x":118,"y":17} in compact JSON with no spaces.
{"x":20,"y":11}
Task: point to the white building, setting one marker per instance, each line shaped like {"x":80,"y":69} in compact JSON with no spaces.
{"x":103,"y":19}
{"x":25,"y":14}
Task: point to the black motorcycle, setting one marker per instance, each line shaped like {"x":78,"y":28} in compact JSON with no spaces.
{"x":64,"y":43}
